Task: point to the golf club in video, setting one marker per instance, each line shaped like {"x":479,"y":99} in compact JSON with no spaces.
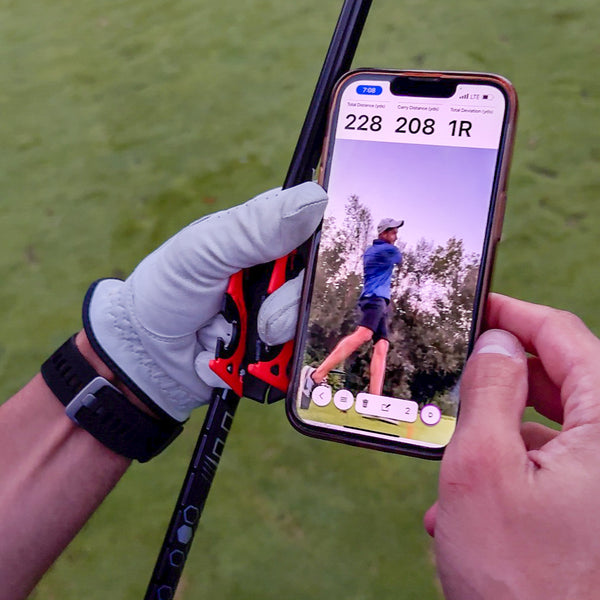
{"x":415,"y":165}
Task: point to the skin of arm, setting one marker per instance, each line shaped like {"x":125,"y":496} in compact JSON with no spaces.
{"x":54,"y":475}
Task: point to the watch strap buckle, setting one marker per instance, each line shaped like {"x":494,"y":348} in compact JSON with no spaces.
{"x":86,"y":398}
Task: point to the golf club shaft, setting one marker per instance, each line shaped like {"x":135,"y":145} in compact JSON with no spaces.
{"x":192,"y":497}
{"x":205,"y":459}
{"x":337,"y":62}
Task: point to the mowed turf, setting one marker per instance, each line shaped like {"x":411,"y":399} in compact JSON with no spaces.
{"x":122,"y":121}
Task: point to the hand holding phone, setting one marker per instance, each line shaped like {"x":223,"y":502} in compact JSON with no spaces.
{"x":415,"y":165}
{"x":543,"y":482}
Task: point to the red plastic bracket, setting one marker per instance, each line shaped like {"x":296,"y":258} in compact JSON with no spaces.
{"x":228,"y":368}
{"x":274,"y":372}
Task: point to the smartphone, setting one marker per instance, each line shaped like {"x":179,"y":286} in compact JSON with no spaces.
{"x":415,"y":165}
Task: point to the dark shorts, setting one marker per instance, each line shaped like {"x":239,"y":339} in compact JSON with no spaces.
{"x":374,"y":316}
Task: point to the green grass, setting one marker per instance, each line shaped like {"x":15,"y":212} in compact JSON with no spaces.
{"x":439,"y":434}
{"x":122,"y":121}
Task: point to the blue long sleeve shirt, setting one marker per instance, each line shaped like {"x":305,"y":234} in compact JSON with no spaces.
{"x":378,"y":263}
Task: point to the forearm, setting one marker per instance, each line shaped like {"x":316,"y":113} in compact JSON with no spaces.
{"x":160,"y":326}
{"x":53,"y":475}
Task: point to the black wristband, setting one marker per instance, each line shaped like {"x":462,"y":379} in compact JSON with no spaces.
{"x":102,"y":410}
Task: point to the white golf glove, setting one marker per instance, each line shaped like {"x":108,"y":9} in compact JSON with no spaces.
{"x":158,"y":329}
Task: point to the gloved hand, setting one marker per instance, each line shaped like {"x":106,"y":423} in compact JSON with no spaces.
{"x":158,"y":328}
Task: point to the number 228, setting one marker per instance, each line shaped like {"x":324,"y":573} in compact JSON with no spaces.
{"x":363,"y":122}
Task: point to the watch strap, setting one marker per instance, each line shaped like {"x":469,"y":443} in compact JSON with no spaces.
{"x":102,"y":410}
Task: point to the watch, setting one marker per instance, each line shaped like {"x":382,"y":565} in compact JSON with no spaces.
{"x":102,"y":410}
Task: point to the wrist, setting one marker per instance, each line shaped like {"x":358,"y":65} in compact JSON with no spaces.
{"x":96,"y":399}
{"x":83,"y":345}
{"x":138,"y":357}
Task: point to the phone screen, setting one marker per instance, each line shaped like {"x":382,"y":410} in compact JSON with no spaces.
{"x":409,"y":229}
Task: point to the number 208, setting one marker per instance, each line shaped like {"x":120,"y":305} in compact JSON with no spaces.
{"x":415,"y":125}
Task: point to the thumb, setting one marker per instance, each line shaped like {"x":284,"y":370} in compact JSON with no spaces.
{"x":180,"y":286}
{"x":493,"y":394}
{"x":278,"y":314}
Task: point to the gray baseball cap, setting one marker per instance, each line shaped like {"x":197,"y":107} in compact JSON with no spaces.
{"x":388,"y":223}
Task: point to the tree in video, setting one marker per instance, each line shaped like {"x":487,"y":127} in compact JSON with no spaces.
{"x":430,"y":310}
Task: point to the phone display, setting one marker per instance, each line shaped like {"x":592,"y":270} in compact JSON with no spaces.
{"x":415,"y":167}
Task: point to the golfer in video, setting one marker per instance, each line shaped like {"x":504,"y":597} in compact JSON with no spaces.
{"x":379,"y":261}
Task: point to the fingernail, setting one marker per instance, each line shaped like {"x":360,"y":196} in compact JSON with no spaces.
{"x":497,"y":341}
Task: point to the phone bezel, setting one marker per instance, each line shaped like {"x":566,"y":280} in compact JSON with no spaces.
{"x":492,"y":237}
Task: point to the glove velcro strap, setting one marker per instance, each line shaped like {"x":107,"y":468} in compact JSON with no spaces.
{"x":102,"y":410}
